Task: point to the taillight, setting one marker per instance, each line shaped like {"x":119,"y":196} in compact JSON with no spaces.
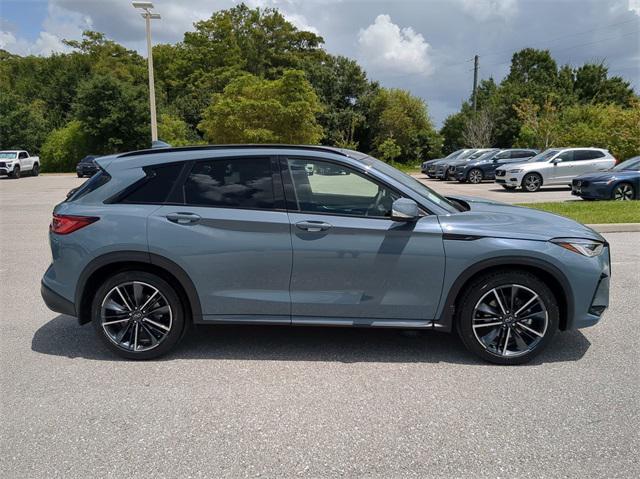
{"x":65,"y":224}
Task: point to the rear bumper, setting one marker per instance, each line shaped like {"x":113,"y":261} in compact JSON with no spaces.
{"x":55,"y":302}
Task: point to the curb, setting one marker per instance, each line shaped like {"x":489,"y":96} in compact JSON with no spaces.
{"x":616,"y":227}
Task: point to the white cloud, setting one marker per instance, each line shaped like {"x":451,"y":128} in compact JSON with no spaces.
{"x":634,"y":6}
{"x":386,"y":46}
{"x":300,"y":22}
{"x":483,"y":10}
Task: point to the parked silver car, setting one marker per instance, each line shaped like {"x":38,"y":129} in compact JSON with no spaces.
{"x":555,"y":166}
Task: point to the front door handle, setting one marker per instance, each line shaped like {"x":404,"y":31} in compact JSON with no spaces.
{"x":183,"y":218}
{"x":313,"y":226}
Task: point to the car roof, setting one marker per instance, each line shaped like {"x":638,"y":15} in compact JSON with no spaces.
{"x":152,"y":156}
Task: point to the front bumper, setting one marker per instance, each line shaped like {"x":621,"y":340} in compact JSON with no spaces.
{"x":594,"y":191}
{"x":509,"y":179}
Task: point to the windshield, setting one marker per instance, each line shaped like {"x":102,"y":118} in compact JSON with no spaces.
{"x":409,"y":181}
{"x":467,"y":154}
{"x":7,"y":155}
{"x":545,"y":155}
{"x":630,"y":164}
{"x":479,"y":154}
{"x":453,"y":155}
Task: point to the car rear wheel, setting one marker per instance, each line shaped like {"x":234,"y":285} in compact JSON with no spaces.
{"x":507,"y":317}
{"x":475,"y":176}
{"x":623,"y":192}
{"x":532,"y":182}
{"x":138,"y":315}
{"x":35,"y":171}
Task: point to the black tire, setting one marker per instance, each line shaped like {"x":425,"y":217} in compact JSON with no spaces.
{"x":475,"y":176}
{"x":508,"y":187}
{"x":35,"y":171}
{"x":527,"y":284}
{"x":623,"y":192}
{"x":15,"y":174}
{"x":169,"y":296}
{"x":531,"y":182}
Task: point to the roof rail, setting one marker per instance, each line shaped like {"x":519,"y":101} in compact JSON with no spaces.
{"x":157,"y":150}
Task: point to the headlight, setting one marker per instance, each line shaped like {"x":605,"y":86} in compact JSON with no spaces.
{"x":581,"y":246}
{"x":517,"y":170}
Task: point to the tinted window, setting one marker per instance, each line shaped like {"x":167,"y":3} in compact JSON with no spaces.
{"x":581,"y":155}
{"x":521,"y":154}
{"x":630,"y":164}
{"x":231,"y":183}
{"x":156,"y":186}
{"x":565,"y":156}
{"x":22,"y":155}
{"x":92,"y":184}
{"x":324,"y":187}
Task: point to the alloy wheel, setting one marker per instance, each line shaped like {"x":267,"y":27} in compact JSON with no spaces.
{"x":475,"y":176}
{"x":510,"y":320}
{"x":532,"y":183}
{"x":136,"y":316}
{"x":623,"y":192}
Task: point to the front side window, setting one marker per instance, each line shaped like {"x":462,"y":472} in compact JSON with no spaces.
{"x":325,"y":187}
{"x":565,"y":156}
{"x":231,"y":183}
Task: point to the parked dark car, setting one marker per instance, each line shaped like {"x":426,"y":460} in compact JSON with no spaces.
{"x":87,"y":166}
{"x":622,"y":182}
{"x":484,"y":168}
{"x":443,"y":168}
{"x":450,"y":156}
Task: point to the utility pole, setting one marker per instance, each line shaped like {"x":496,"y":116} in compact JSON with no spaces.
{"x":148,"y":16}
{"x":475,"y":82}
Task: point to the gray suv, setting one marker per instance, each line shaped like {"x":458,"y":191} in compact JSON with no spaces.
{"x":160,"y":239}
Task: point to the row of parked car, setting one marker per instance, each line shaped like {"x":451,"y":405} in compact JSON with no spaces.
{"x":591,"y":173}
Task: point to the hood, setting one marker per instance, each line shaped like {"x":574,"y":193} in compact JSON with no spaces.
{"x":608,"y":175}
{"x":500,"y":220}
{"x":526,"y":165}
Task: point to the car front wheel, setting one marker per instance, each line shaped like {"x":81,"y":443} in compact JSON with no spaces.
{"x":623,"y":192}
{"x":507,"y":317}
{"x":532,"y":182}
{"x":138,"y":315}
{"x":15,"y":173}
{"x":475,"y":176}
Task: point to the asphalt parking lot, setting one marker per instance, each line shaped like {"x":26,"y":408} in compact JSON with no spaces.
{"x":303,"y":402}
{"x":493,"y":191}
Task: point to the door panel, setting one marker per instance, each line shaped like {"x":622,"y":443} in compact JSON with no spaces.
{"x":350,"y":260}
{"x":238,"y":260}
{"x":366,"y":268}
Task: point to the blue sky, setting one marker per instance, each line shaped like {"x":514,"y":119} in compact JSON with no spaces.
{"x":424,"y":46}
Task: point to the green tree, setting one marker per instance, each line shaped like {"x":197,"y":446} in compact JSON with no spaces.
{"x":114,"y":114}
{"x":64,"y":147}
{"x":254,"y":110}
{"x":398,"y":114}
{"x":389,"y":150}
{"x":174,"y":130}
{"x":22,"y":125}
{"x":593,"y":85}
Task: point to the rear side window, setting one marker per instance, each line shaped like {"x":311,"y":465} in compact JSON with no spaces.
{"x":582,"y":155}
{"x":231,"y":183}
{"x":156,"y":186}
{"x":96,"y":181}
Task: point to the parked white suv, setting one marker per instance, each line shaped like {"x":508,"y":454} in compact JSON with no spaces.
{"x":555,"y":166}
{"x":16,"y":162}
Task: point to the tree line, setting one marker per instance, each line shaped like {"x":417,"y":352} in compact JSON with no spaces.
{"x":249,"y":76}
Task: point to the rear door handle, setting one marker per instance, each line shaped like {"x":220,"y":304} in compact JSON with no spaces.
{"x":313,"y":226}
{"x":183,"y":218}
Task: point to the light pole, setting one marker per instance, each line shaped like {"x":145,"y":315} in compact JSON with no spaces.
{"x":148,"y":16}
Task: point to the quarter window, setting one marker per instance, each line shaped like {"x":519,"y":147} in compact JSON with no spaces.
{"x":231,"y":183}
{"x":324,"y":187}
{"x":156,"y":186}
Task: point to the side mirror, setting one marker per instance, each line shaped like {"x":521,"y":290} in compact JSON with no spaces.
{"x":404,"y":209}
{"x":555,"y":161}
